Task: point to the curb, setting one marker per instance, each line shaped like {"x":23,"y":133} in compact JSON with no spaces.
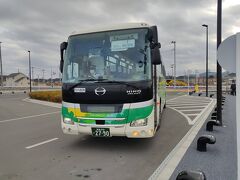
{"x":13,"y":92}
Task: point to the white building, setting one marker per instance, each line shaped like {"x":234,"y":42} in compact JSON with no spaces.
{"x":16,"y":79}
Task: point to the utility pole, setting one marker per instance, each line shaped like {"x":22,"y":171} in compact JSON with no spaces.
{"x":1,"y":66}
{"x":196,"y":76}
{"x":219,"y":68}
{"x":188,"y":80}
{"x":51,"y":77}
{"x":29,"y":62}
{"x":172,"y":66}
{"x":185,"y":76}
{"x":174,"y":43}
{"x":38,"y":81}
{"x":43,"y":74}
{"x":33,"y":75}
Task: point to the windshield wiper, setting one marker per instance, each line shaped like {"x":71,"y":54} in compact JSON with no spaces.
{"x":143,"y":51}
{"x":81,"y":81}
{"x":103,"y":80}
{"x":85,"y":80}
{"x":119,"y":82}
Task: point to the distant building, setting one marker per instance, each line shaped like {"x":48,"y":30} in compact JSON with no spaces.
{"x":16,"y":79}
{"x":47,"y":82}
{"x":21,"y":80}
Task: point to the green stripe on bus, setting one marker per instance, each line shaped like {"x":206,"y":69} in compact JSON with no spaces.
{"x":130,"y":115}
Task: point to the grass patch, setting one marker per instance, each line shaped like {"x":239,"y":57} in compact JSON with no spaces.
{"x":51,"y":96}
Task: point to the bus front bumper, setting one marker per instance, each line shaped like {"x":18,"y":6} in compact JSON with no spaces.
{"x":115,"y":130}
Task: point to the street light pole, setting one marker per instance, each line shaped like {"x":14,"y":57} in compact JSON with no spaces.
{"x":51,"y":77}
{"x":196,"y":79}
{"x":219,"y":68}
{"x":1,"y":66}
{"x":33,"y":75}
{"x":174,"y":42}
{"x":188,"y":80}
{"x":206,"y":26}
{"x":43,"y":75}
{"x":29,"y":62}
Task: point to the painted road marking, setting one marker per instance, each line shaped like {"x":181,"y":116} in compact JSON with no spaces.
{"x":188,"y":103}
{"x":189,"y":110}
{"x":192,"y":114}
{"x":186,"y":106}
{"x":45,"y":103}
{"x":175,"y":98}
{"x":41,"y":143}
{"x":27,"y":117}
{"x":190,"y":107}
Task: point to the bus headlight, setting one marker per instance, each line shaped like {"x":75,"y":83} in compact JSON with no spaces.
{"x":140,"y":122}
{"x":68,"y":121}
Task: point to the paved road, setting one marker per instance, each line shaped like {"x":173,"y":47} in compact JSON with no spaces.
{"x":24,"y":125}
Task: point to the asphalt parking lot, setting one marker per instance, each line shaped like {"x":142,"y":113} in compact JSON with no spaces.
{"x":34,"y":147}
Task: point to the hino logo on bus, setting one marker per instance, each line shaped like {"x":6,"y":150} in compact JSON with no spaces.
{"x":133,"y":92}
{"x":99,"y":91}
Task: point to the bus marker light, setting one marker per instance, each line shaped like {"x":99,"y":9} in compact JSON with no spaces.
{"x":143,"y":133}
{"x":150,"y":132}
{"x":135,"y":133}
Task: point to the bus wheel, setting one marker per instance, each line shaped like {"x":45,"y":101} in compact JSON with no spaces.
{"x":164,"y":107}
{"x":160,"y":117}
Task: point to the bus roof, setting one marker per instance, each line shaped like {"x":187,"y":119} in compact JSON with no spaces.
{"x":110,"y":28}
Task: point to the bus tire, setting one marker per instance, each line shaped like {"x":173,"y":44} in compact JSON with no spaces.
{"x":160,"y":116}
{"x":164,"y":107}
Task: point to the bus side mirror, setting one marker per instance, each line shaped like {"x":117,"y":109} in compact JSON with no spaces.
{"x":63,"y":46}
{"x":61,"y":66}
{"x":154,"y":34}
{"x":155,"y":45}
{"x":156,"y":56}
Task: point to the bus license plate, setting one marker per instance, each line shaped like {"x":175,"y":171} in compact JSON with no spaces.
{"x":101,"y":132}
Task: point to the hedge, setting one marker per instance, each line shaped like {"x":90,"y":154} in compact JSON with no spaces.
{"x":52,"y":96}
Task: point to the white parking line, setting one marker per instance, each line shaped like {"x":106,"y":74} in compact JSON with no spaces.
{"x":192,"y":114}
{"x":27,"y":117}
{"x":41,"y":143}
{"x":193,"y":105}
{"x":184,"y":107}
{"x":187,"y":103}
{"x":175,"y":98}
{"x":187,"y":110}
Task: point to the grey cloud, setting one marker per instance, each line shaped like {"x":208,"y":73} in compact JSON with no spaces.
{"x":41,"y":25}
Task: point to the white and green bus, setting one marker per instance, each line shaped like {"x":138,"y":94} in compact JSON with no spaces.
{"x":113,"y":82}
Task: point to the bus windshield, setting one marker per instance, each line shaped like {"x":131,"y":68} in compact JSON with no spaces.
{"x":122,"y":55}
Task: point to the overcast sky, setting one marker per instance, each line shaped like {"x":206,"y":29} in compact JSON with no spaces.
{"x":40,"y":26}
